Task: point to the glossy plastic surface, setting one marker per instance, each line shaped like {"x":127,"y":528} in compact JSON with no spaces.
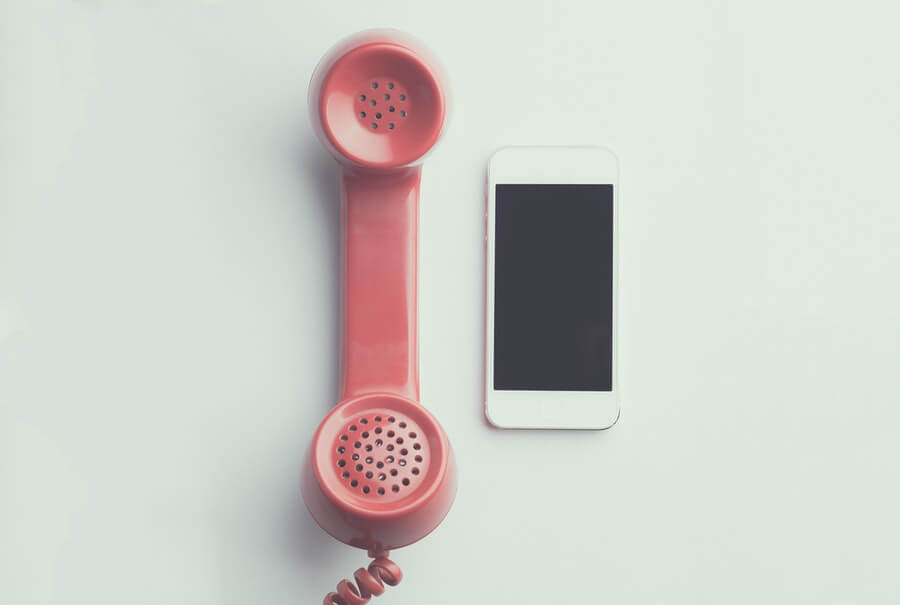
{"x":380,"y":472}
{"x":341,"y":89}
{"x":380,"y":222}
{"x":379,"y":522}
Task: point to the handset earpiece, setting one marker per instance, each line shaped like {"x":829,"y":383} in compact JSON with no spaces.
{"x":380,"y":472}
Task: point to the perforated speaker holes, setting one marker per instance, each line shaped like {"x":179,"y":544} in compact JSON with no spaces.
{"x":383,"y":107}
{"x":381,"y":455}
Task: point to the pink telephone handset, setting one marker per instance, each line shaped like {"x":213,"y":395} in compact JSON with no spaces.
{"x":380,"y":473}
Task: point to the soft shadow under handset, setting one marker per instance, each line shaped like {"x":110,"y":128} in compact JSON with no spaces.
{"x":380,"y":472}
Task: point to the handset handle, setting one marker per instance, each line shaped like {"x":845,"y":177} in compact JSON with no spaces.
{"x":378,"y":278}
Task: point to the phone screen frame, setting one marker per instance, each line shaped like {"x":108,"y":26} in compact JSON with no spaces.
{"x":549,"y":409}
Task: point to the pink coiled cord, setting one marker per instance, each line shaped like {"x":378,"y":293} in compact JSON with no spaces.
{"x":369,"y":582}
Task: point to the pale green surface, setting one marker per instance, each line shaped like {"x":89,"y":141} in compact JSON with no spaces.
{"x":167,"y":303}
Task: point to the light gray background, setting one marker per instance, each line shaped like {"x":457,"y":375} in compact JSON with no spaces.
{"x":168,"y":302}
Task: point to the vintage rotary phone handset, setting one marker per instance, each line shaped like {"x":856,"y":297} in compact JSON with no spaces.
{"x":380,"y":472}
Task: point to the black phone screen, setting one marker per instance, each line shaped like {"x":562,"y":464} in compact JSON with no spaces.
{"x":553,"y":287}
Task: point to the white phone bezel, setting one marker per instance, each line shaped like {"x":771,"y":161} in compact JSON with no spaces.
{"x":549,"y":409}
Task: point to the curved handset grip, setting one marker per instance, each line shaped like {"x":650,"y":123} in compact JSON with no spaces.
{"x":378,"y":277}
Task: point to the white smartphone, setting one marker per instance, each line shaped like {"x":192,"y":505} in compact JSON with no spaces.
{"x":551,"y":288}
